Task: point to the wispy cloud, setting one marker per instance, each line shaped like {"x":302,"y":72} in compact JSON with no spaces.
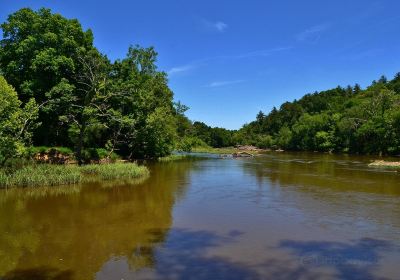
{"x":266,"y":52}
{"x":180,"y":69}
{"x":218,"y":26}
{"x":312,"y":34}
{"x":224,"y":83}
{"x":206,"y":61}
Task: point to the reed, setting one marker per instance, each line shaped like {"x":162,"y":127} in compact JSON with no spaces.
{"x":114,"y":171}
{"x":57,"y":175}
{"x":174,"y":158}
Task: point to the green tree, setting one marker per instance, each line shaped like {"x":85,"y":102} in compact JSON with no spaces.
{"x":84,"y":106}
{"x":284,"y":138}
{"x":39,"y":54}
{"x":16,"y":122}
{"x":142,"y":93}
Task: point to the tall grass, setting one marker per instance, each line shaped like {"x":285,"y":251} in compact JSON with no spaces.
{"x":56,"y":175}
{"x":115,"y":171}
{"x":42,"y":175}
{"x":174,"y":158}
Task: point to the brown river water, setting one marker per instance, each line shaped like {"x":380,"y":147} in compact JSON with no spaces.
{"x":276,"y":216}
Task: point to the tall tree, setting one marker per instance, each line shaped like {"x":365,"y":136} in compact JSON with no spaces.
{"x":16,"y":122}
{"x":39,"y":53}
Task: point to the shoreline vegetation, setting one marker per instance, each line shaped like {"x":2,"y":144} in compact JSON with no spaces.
{"x":230,"y":150}
{"x":38,"y":175}
{"x":387,"y":164}
{"x":175,"y":157}
{"x":76,"y":118}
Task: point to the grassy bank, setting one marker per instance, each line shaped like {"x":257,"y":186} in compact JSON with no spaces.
{"x":114,"y":171}
{"x":171,"y":158}
{"x":56,"y":175}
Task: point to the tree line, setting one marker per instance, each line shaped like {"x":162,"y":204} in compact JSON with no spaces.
{"x":344,"y":120}
{"x":57,"y":89}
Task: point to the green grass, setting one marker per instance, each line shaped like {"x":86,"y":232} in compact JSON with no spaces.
{"x":57,"y":175}
{"x":174,"y":158}
{"x":114,"y":171}
{"x":42,"y":175}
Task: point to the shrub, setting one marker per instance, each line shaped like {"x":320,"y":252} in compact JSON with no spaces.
{"x":97,"y":154}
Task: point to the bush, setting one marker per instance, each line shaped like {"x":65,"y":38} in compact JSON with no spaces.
{"x":97,"y":154}
{"x":264,"y":141}
{"x":40,"y":150}
{"x":186,"y":144}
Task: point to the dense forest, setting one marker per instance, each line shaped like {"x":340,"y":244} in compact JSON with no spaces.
{"x":343,"y":120}
{"x":58,"y":90}
{"x":349,"y":120}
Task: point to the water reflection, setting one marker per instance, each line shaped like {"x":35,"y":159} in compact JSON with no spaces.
{"x":70,"y":235}
{"x":184,"y":256}
{"x":326,"y":171}
{"x":356,"y":260}
{"x":280,"y":216}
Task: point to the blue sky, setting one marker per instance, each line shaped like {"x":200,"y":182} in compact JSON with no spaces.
{"x":229,"y":59}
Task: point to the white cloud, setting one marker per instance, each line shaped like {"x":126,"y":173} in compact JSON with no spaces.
{"x":218,"y":26}
{"x":266,"y":52}
{"x":313,"y":33}
{"x":206,"y":61}
{"x":180,"y":69}
{"x":221,"y":26}
{"x":224,"y":83}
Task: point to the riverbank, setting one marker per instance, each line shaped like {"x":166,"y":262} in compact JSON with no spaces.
{"x":223,"y":151}
{"x":56,"y":175}
{"x":175,"y":157}
{"x":389,"y":164}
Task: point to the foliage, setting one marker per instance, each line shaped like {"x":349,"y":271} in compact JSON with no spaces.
{"x":337,"y":120}
{"x":86,"y":101}
{"x":56,"y":175}
{"x":171,"y":158}
{"x":125,"y":107}
{"x":33,"y":150}
{"x":187,"y":143}
{"x":114,"y":171}
{"x":41,"y":175}
{"x":39,"y":55}
{"x":15,"y":122}
{"x":200,"y":134}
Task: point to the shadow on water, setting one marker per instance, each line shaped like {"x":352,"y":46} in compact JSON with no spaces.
{"x":41,"y":273}
{"x":354,"y":261}
{"x":186,"y":255}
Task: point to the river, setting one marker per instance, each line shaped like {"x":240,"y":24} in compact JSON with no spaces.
{"x":275,"y":216}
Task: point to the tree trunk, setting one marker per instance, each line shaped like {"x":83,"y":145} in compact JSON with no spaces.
{"x":79,"y":148}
